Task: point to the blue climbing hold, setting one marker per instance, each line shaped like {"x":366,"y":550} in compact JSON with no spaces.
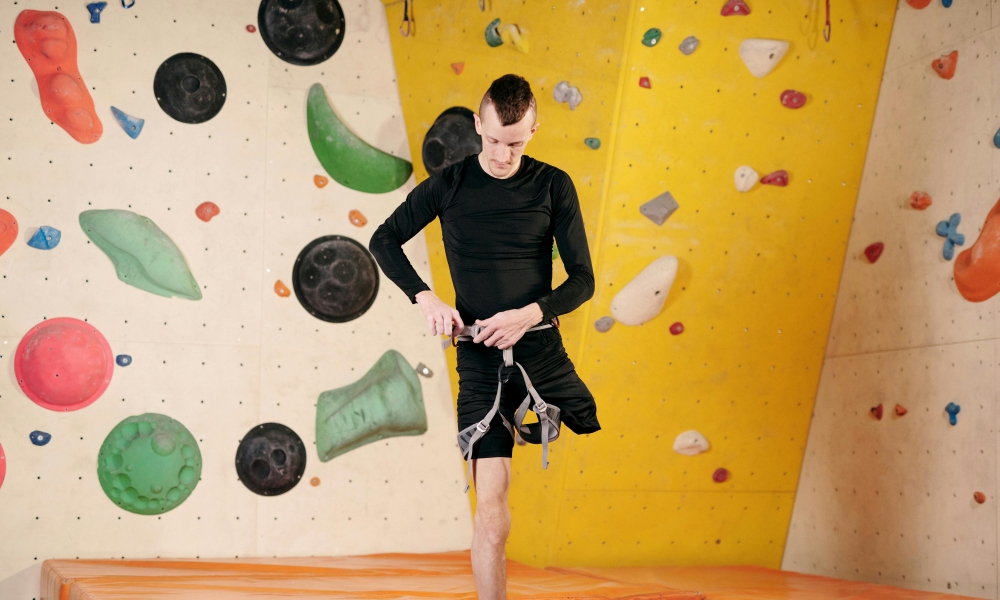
{"x":123,"y":360}
{"x":949,"y":231}
{"x":592,"y":143}
{"x":946,"y":3}
{"x":39,"y":438}
{"x":46,"y":238}
{"x":996,"y":138}
{"x":952,"y":409}
{"x":95,"y":9}
{"x":131,"y":125}
{"x":129,"y":5}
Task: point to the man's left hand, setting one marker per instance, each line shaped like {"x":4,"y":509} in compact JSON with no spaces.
{"x":504,"y":329}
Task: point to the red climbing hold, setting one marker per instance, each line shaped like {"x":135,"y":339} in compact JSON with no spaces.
{"x":720,"y":476}
{"x":777,"y":178}
{"x":251,"y":28}
{"x":735,"y":7}
{"x":979,"y":497}
{"x":945,"y":66}
{"x":207,"y":210}
{"x":677,"y":328}
{"x":877,"y":412}
{"x":8,"y":230}
{"x":920,"y":200}
{"x":873,"y":251}
{"x":901,"y":410}
{"x":644,"y":82}
{"x":458,"y":67}
{"x":793,"y":99}
{"x":918,"y":4}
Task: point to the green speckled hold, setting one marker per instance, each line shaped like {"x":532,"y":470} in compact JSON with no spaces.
{"x":350,"y":161}
{"x":592,"y":143}
{"x":149,"y":464}
{"x":386,"y":402}
{"x":651,"y":37}
{"x":143,"y":256}
{"x":493,"y":34}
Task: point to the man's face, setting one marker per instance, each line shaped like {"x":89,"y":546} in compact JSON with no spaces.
{"x":503,"y":146}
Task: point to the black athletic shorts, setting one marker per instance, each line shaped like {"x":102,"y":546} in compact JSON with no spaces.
{"x":543,"y":357}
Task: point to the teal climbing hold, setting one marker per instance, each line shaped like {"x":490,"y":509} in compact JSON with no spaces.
{"x":592,"y":143}
{"x":131,"y":125}
{"x":949,"y":231}
{"x":996,"y":138}
{"x":46,"y":238}
{"x":493,"y":34}
{"x":651,"y":37}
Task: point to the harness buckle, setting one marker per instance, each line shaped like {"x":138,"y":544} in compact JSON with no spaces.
{"x":541,"y":407}
{"x":483,"y":427}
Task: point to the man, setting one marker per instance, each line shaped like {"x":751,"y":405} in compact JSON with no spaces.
{"x":500,"y":211}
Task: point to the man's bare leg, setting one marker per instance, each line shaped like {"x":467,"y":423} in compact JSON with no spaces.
{"x":492,"y":524}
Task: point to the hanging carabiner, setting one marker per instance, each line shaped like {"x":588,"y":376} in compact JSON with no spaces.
{"x":406,"y":19}
{"x":828,"y":28}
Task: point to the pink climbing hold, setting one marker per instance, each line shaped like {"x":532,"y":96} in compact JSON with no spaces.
{"x":779,"y":178}
{"x":207,"y":210}
{"x":793,"y":99}
{"x":735,"y":7}
{"x":3,"y":466}
{"x":644,"y":82}
{"x":677,"y":328}
{"x":877,"y":412}
{"x":720,"y":476}
{"x":873,"y":251}
{"x":8,"y":230}
{"x":920,"y":200}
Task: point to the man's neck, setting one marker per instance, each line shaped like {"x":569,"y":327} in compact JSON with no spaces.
{"x":485,"y":164}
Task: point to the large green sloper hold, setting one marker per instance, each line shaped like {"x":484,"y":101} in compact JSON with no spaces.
{"x":143,"y":255}
{"x":351,"y":161}
{"x":386,"y":402}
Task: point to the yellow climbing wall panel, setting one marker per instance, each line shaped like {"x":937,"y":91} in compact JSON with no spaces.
{"x":758,"y":271}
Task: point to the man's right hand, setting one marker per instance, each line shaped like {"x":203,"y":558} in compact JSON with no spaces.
{"x":441,"y":318}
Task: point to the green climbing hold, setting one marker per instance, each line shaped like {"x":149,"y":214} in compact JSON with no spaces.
{"x":351,"y":161}
{"x":144,"y":256}
{"x":651,"y":37}
{"x":592,"y":143}
{"x":149,"y":464}
{"x":493,"y":34}
{"x":386,"y":402}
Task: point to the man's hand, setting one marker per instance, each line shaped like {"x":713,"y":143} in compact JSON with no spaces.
{"x":504,"y":329}
{"x":441,"y":318}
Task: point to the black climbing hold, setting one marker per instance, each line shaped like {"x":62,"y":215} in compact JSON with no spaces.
{"x":301,"y":32}
{"x":271,"y":459}
{"x":189,"y":88}
{"x":451,"y":138}
{"x":335,"y":279}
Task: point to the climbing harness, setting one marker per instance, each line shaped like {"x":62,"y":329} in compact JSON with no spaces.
{"x":544,"y":431}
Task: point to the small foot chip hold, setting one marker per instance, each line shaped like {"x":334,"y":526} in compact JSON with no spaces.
{"x":953,"y":409}
{"x":918,"y":4}
{"x":689,"y":45}
{"x":207,"y":210}
{"x":979,"y":497}
{"x":920,"y":200}
{"x":651,"y":37}
{"x":604,"y":324}
{"x":493,"y":38}
{"x":793,"y":99}
{"x":945,"y":66}
{"x":424,"y":370}
{"x":131,"y":125}
{"x":39,"y":438}
{"x":900,"y":410}
{"x":356,"y":218}
{"x":644,"y":83}
{"x":564,"y":92}
{"x":8,"y":230}
{"x":735,"y":7}
{"x":877,"y":412}
{"x":252,"y":28}
{"x":745,"y":178}
{"x":123,"y":360}
{"x":458,"y":67}
{"x":677,"y":328}
{"x":949,"y":231}
{"x":95,"y":9}
{"x":320,"y":181}
{"x":659,"y":209}
{"x":946,"y":3}
{"x":778,"y":178}
{"x":314,"y":481}
{"x":761,"y":56}
{"x":690,"y":443}
{"x":720,"y":476}
{"x":46,"y":238}
{"x":592,"y":143}
{"x":873,"y":251}
{"x":281,"y":289}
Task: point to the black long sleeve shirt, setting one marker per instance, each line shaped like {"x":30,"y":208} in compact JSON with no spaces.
{"x":498,"y":237}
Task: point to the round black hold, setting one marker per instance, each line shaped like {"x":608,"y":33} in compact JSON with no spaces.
{"x":189,"y":88}
{"x":451,"y":138}
{"x":335,"y":279}
{"x":301,"y":32}
{"x":271,"y":459}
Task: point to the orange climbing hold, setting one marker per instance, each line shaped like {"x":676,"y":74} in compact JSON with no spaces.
{"x":918,"y":4}
{"x":920,"y":200}
{"x":8,"y":230}
{"x":945,"y":66}
{"x":458,"y":67}
{"x":977,"y":270}
{"x":281,"y":290}
{"x":207,"y":210}
{"x":320,"y":181}
{"x":47,"y":42}
{"x":357,"y":218}
{"x":314,"y":481}
{"x":901,"y":410}
{"x":979,"y":497}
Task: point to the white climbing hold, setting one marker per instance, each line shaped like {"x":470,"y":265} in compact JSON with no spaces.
{"x":761,"y":56}
{"x":570,"y":94}
{"x":690,"y":443}
{"x":642,"y":298}
{"x":745,"y":178}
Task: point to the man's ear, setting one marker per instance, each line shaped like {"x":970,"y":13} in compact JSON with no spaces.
{"x":479,"y":124}
{"x":534,"y":127}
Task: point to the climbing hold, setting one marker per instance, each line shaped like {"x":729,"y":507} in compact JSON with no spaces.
{"x":604,"y":324}
{"x":877,"y":412}
{"x":745,"y":178}
{"x":386,"y":402}
{"x":677,"y":328}
{"x":8,"y":230}
{"x":270,"y":459}
{"x":761,"y":56}
{"x":63,"y":364}
{"x":424,"y":370}
{"x":123,"y":360}
{"x":644,"y":82}
{"x":39,"y":438}
{"x":900,"y":410}
{"x":149,"y":464}
{"x":690,"y":443}
{"x":347,"y":158}
{"x":651,"y":37}
{"x":251,"y":28}
{"x":95,"y":9}
{"x":979,"y":497}
{"x":46,"y":40}
{"x":314,"y":481}
{"x":977,"y":270}
{"x":592,"y":143}
{"x":946,"y":3}
{"x":920,"y":200}
{"x":689,"y":45}
{"x":735,"y":7}
{"x":779,"y":178}
{"x":131,"y":125}
{"x":458,"y":67}
{"x":945,"y":66}
{"x":301,"y":32}
{"x":189,"y":88}
{"x":873,"y":251}
{"x":207,"y":210}
{"x":493,"y":38}
{"x":46,"y":238}
{"x":320,"y":181}
{"x":564,"y":92}
{"x":335,"y":279}
{"x":659,"y":209}
{"x":793,"y":99}
{"x":642,"y":298}
{"x":143,"y":255}
{"x":129,"y":5}
{"x":720,"y":476}
{"x":953,"y":409}
{"x":281,"y":290}
{"x":515,"y":36}
{"x":451,"y":138}
{"x":356,"y":218}
{"x":918,"y":4}
{"x":949,"y":231}
{"x":3,"y":465}
{"x":996,"y":139}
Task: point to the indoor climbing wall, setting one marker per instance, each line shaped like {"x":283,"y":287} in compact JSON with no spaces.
{"x":899,"y":482}
{"x":198,"y":356}
{"x":718,"y":155}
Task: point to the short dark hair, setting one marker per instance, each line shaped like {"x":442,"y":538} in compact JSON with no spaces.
{"x":511,"y":97}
